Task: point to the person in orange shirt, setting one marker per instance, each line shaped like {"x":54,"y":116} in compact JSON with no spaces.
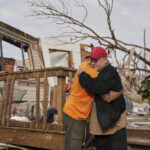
{"x":78,"y":107}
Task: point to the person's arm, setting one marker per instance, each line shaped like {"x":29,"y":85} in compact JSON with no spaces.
{"x":112,"y":95}
{"x":107,"y":80}
{"x":67,"y":86}
{"x":93,"y":85}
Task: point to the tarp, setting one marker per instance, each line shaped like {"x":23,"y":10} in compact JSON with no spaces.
{"x":59,"y":59}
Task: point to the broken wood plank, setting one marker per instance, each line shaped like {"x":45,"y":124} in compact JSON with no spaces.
{"x":5,"y":146}
{"x":41,"y":140}
{"x":138,"y":141}
{"x":138,"y":132}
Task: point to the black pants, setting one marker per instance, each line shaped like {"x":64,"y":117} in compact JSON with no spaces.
{"x":116,"y":141}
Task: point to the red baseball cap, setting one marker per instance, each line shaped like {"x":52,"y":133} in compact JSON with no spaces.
{"x":97,"y":52}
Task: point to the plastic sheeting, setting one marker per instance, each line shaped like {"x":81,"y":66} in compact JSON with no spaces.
{"x":59,"y":59}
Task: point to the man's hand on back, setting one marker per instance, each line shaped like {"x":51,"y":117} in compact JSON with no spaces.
{"x":67,"y":86}
{"x":112,"y":95}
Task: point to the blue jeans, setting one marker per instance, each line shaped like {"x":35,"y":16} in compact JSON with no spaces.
{"x":74,"y":133}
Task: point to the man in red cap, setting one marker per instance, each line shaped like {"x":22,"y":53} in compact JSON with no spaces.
{"x":108,"y":118}
{"x":78,"y":107}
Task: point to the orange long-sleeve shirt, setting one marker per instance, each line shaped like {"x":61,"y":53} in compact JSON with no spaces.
{"x":79,"y":104}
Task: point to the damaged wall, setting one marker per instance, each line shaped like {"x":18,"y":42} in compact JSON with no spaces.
{"x":47,"y":44}
{"x":30,"y":44}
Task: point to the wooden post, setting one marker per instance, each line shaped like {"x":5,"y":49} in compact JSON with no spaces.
{"x":61,"y":98}
{"x":37,"y":99}
{"x":45,"y":101}
{"x":2,"y":103}
{"x":30,"y":49}
{"x":1,"y":54}
{"x":23,"y":58}
{"x":5,"y":100}
{"x":10,"y":99}
{"x":53,"y":102}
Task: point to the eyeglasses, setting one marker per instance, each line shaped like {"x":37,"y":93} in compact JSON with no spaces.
{"x":94,"y":60}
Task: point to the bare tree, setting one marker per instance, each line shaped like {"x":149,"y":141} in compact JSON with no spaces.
{"x":59,"y":12}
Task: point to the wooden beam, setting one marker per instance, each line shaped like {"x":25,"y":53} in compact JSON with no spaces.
{"x":34,"y":139}
{"x":51,"y":72}
{"x":138,"y":141}
{"x":12,"y":32}
{"x":135,"y":132}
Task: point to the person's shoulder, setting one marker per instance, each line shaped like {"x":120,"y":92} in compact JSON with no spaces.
{"x":113,"y":71}
{"x":83,"y":64}
{"x":111,"y":68}
{"x":108,"y":68}
{"x":109,"y":71}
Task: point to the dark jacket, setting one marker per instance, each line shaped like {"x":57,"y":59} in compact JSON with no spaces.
{"x":108,"y":79}
{"x":50,"y":115}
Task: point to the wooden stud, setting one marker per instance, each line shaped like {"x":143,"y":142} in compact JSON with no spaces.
{"x":37,"y":99}
{"x":2,"y":103}
{"x":10,"y":99}
{"x":53,"y":102}
{"x":61,"y":98}
{"x":30,"y":59}
{"x":1,"y":54}
{"x":5,"y":99}
{"x":30,"y":49}
{"x":45,"y":101}
{"x":23,"y":58}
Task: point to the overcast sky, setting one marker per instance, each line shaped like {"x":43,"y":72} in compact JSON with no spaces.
{"x":129,"y":19}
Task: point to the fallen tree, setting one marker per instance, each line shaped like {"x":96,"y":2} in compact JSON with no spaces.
{"x":136,"y":60}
